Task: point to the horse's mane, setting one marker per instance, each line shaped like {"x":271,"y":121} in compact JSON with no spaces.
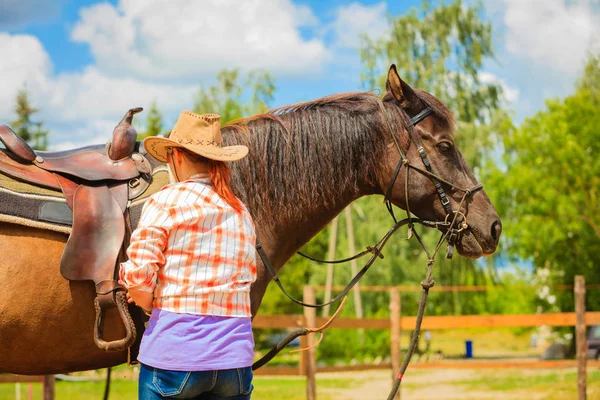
{"x":309,"y":153}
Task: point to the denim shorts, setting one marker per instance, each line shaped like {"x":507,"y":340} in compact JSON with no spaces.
{"x":232,"y":384}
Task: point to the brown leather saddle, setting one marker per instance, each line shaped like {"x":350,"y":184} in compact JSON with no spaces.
{"x":97,"y":182}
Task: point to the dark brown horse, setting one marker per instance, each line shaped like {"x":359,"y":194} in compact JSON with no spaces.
{"x":307,"y":163}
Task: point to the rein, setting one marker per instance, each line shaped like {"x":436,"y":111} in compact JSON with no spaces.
{"x":450,"y":235}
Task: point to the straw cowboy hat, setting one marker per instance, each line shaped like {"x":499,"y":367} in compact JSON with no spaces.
{"x":200,"y":134}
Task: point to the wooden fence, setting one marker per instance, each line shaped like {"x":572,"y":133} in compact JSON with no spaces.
{"x":408,"y":322}
{"x":46,"y":380}
{"x":395,"y":322}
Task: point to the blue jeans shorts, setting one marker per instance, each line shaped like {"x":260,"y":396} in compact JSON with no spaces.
{"x":231,"y":384}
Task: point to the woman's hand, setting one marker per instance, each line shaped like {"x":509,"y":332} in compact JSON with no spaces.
{"x":141,"y":299}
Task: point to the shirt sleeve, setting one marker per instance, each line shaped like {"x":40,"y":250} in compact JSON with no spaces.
{"x":146,"y":248}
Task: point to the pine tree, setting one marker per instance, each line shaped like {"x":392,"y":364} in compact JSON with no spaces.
{"x":154,"y":123}
{"x":29,"y":130}
{"x":40,"y":137}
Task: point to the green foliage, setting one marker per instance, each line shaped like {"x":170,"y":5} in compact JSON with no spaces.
{"x":154,"y":123}
{"x":32,"y":132}
{"x":230,"y":98}
{"x":548,"y":192}
{"x":440,"y":50}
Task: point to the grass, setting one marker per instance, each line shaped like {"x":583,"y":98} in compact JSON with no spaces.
{"x":289,"y":388}
{"x":497,"y":342}
{"x":554,"y":384}
{"x":551,"y":384}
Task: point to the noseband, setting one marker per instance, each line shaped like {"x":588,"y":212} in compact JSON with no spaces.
{"x":452,"y":228}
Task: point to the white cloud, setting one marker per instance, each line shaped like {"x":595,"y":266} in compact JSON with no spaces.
{"x":23,"y":60}
{"x":162,"y":39}
{"x":91,"y":94}
{"x":80,"y":107}
{"x":356,"y":19}
{"x":511,"y":94}
{"x":89,"y":132}
{"x":551,"y":33}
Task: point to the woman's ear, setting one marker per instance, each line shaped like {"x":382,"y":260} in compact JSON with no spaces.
{"x":177,"y":156}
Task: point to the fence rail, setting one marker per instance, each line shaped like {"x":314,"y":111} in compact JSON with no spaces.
{"x":450,"y":364}
{"x":434,"y":322}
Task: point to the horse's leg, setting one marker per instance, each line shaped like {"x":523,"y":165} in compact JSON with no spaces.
{"x":46,"y":322}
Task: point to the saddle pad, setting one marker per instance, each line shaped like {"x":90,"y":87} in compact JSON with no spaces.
{"x":37,"y":207}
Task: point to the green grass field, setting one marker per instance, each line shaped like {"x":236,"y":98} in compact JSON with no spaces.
{"x":555,"y":384}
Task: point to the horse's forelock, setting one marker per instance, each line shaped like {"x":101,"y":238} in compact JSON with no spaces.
{"x":439,"y":109}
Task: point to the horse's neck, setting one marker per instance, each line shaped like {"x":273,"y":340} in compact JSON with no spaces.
{"x":283,"y":240}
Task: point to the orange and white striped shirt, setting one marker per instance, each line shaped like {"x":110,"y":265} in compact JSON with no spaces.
{"x":193,"y":251}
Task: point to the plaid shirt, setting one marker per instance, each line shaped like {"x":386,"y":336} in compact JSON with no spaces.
{"x":193,"y":251}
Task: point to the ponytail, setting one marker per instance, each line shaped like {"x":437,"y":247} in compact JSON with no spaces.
{"x":219,"y":175}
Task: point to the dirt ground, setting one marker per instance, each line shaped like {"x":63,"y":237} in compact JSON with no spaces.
{"x":432,"y":384}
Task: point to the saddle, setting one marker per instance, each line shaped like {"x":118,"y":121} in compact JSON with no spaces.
{"x":97,"y":182}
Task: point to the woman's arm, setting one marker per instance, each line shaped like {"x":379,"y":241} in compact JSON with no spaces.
{"x":145,"y":253}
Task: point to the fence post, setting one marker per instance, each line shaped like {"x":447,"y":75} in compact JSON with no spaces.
{"x":48,"y":385}
{"x":354,"y":268}
{"x":310,"y":316}
{"x":580,"y":340}
{"x":330,"y":256}
{"x":395,"y":329}
{"x":303,"y":355}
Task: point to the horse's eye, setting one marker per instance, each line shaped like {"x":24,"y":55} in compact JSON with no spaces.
{"x":444,"y":146}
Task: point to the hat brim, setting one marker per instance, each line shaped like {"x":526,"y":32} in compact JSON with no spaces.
{"x":157,"y":147}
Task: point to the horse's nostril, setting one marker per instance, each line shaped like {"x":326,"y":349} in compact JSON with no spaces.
{"x":496,"y":230}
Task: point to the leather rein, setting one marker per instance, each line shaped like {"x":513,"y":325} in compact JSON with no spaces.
{"x":454,"y":223}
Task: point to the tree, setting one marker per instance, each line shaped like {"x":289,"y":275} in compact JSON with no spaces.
{"x":27,"y":129}
{"x":154,"y":124}
{"x":548,"y":191}
{"x":230,"y":98}
{"x":441,"y":50}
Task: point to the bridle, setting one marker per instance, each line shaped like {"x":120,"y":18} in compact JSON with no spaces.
{"x":451,"y":228}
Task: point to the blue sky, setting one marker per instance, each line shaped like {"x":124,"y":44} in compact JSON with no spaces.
{"x":86,"y":62}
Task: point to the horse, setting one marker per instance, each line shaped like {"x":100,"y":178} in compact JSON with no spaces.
{"x":307,"y":162}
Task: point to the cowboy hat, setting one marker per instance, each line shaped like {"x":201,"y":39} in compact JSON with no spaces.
{"x":199,"y":134}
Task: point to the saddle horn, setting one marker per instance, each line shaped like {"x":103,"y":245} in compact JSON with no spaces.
{"x":124,"y":136}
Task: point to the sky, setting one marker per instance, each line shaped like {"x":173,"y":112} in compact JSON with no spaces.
{"x":85,"y":62}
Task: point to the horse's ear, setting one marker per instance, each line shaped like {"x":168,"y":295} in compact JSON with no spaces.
{"x":400,"y":90}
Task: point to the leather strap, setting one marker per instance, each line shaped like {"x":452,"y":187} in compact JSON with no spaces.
{"x":16,"y":144}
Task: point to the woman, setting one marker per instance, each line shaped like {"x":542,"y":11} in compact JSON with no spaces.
{"x":191,"y":264}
